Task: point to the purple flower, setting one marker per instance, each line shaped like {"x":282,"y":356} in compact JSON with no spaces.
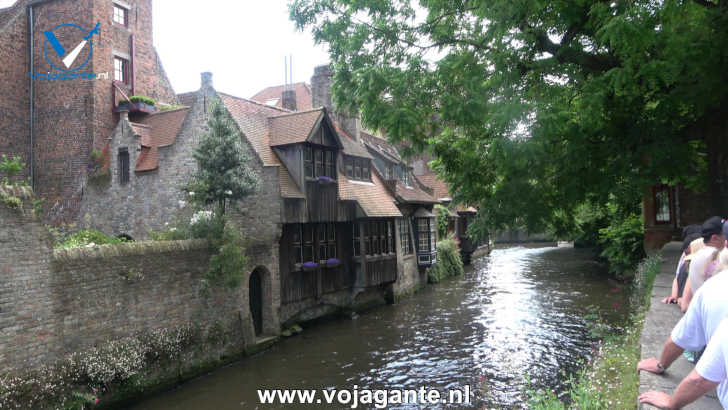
{"x":332,"y":261}
{"x":310,"y":265}
{"x":324,"y":179}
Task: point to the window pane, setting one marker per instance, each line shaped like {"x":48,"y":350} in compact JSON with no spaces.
{"x":330,"y":164}
{"x":297,"y":254}
{"x":332,"y":232}
{"x":332,"y":251}
{"x":662,"y":206}
{"x":123,"y":167}
{"x":308,"y":162}
{"x":319,"y":159}
{"x":357,"y":169}
{"x":308,"y":253}
{"x":365,"y":171}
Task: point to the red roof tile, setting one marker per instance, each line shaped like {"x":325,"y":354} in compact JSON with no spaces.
{"x":157,"y":131}
{"x":441,"y":189}
{"x":351,"y":147}
{"x":303,"y":96}
{"x":293,"y":128}
{"x":372,"y":197}
{"x":381,"y":146}
{"x":252,"y":119}
{"x":414,"y":194}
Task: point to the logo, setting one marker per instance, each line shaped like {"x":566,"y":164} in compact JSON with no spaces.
{"x":68,"y":48}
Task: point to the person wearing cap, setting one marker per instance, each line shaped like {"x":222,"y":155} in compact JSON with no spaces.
{"x":691,"y":244}
{"x":710,"y":372}
{"x":697,"y":326}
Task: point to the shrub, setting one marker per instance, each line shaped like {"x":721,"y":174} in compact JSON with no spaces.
{"x":449,"y":263}
{"x":142,"y":99}
{"x":88,"y":237}
{"x":622,"y":243}
{"x":11,"y":167}
{"x":228,"y":266}
{"x":443,"y":216}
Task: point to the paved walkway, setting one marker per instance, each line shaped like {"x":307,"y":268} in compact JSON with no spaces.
{"x":659,"y":322}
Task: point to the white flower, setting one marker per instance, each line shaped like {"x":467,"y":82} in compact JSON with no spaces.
{"x":200,"y":217}
{"x":228,"y":192}
{"x":191,"y":193}
{"x":182,"y":204}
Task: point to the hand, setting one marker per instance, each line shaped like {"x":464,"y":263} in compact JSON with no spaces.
{"x":669,"y":299}
{"x":649,"y":365}
{"x":656,"y":398}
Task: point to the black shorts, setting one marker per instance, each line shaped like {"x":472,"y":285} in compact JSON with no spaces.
{"x":682,"y":278}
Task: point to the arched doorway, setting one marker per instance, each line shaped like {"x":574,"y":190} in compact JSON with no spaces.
{"x":256,"y":300}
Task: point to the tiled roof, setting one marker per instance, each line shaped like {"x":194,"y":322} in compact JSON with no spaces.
{"x":303,"y":96}
{"x":293,"y":128}
{"x":414,"y":194}
{"x":157,"y":131}
{"x":430,"y":179}
{"x":372,"y":197}
{"x":351,"y":147}
{"x":252,"y":119}
{"x":166,"y":125}
{"x":381,"y":146}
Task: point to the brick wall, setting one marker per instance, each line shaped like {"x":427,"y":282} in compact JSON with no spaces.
{"x":14,"y":104}
{"x":56,"y":302}
{"x":71,"y":117}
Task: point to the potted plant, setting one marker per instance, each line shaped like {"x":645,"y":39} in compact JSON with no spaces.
{"x":309,"y":266}
{"x":332,"y":263}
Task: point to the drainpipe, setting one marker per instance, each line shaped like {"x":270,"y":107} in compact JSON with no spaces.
{"x":31,"y":51}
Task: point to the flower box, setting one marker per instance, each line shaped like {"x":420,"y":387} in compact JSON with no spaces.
{"x":135,"y":107}
{"x":332,"y":263}
{"x":309,"y":266}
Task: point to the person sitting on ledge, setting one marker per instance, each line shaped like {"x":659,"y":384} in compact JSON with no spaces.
{"x":709,"y":373}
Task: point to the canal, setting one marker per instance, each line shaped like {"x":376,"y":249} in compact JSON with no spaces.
{"x":515,"y":315}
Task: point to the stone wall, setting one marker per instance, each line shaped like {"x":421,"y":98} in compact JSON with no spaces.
{"x":62,"y":301}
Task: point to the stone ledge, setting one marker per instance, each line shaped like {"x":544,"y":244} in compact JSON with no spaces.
{"x":128,"y":249}
{"x":659,"y":321}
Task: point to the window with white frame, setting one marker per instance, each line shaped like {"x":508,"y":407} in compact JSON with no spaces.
{"x":121,"y":15}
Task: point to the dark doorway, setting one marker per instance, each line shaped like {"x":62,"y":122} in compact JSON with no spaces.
{"x":256,"y":301}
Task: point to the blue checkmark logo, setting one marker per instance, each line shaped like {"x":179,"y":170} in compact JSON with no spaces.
{"x":80,"y":37}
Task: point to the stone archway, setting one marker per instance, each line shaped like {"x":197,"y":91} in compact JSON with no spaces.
{"x":262,"y":320}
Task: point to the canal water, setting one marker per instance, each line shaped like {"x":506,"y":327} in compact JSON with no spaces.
{"x":516,"y":315}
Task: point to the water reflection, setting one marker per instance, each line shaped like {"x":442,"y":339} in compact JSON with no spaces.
{"x":515,"y":315}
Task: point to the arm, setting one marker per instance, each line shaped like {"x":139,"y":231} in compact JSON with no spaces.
{"x":689,"y":390}
{"x":673,"y":296}
{"x":670,"y":352}
{"x":686,"y":297}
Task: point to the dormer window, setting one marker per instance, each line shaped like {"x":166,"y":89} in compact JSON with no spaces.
{"x":358,"y":169}
{"x":121,"y":15}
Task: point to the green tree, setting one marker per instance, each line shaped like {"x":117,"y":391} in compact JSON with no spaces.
{"x":223,"y":174}
{"x":536,"y":107}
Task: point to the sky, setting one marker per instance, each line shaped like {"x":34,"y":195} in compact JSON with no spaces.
{"x":242,"y":42}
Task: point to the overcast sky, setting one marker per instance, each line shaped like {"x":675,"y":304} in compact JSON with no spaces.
{"x":242,"y":42}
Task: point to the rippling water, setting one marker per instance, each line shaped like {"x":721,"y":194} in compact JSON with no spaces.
{"x":515,"y":315}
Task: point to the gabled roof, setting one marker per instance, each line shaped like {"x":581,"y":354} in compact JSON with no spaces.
{"x":303,"y":96}
{"x":372,"y":197}
{"x":253,"y":120}
{"x":441,"y":189}
{"x":294,"y":128}
{"x":414,"y":194}
{"x":380,"y":146}
{"x":350,"y":146}
{"x":157,"y":131}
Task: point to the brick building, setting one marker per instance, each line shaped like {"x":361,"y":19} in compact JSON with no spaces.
{"x":58,"y":114}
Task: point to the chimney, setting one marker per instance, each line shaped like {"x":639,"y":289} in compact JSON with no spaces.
{"x":321,"y":97}
{"x":206,"y":80}
{"x":288,"y":99}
